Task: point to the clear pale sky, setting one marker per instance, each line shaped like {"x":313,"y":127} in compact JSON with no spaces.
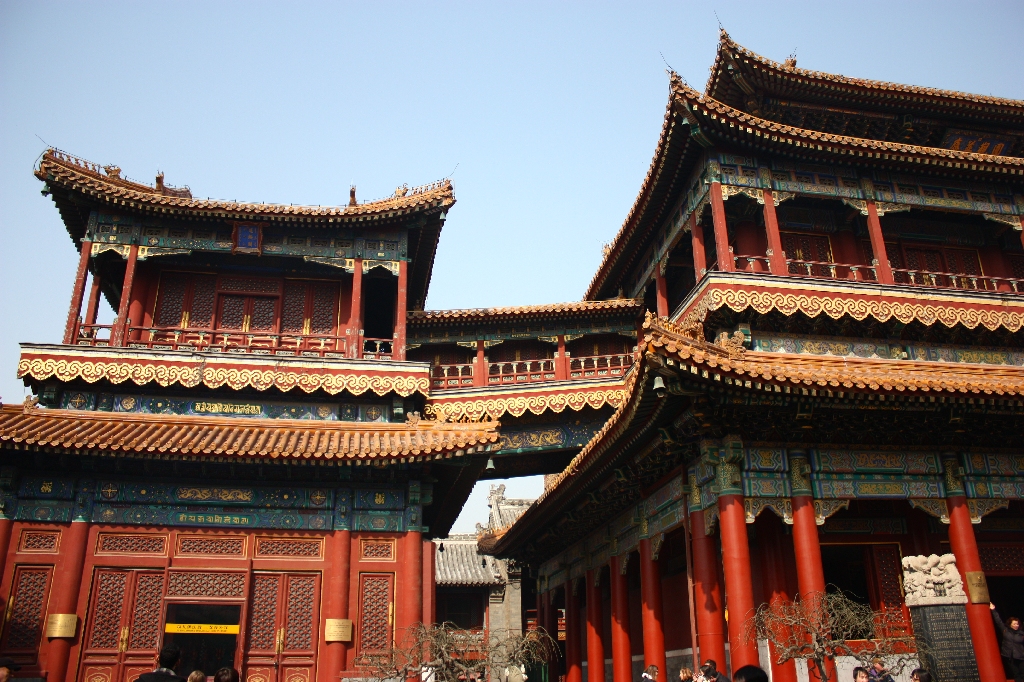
{"x":549,"y":111}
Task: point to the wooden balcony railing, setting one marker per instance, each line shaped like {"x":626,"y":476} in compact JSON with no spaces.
{"x":378,"y":349}
{"x":847,"y":271}
{"x":523,"y":372}
{"x":751,"y":263}
{"x":952,"y":280}
{"x":599,"y":366}
{"x":259,"y":343}
{"x":451,"y":376}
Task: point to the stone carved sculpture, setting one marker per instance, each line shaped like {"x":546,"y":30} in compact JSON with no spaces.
{"x":934,"y":579}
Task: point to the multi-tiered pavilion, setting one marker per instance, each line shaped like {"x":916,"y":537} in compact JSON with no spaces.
{"x":250,"y":461}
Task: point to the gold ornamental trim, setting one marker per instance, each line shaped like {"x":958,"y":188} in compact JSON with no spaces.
{"x":836,"y":306}
{"x":211,"y":376}
{"x":518,"y":405}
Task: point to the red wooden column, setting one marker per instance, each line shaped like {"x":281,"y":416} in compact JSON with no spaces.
{"x":480,"y":366}
{"x":67,"y":581}
{"x":561,"y":362}
{"x":93,"y":306}
{"x":968,"y":562}
{"x":595,"y":647}
{"x":398,"y":352}
{"x":707,"y":592}
{"x":700,"y":259}
{"x":573,"y":654}
{"x":771,"y":542}
{"x":120,"y":331}
{"x":725,"y":263}
{"x":650,"y":609}
{"x":738,"y":586}
{"x":661,"y":286}
{"x":332,"y":661}
{"x":622,"y":653}
{"x":810,"y":575}
{"x":77,"y":293}
{"x":411,"y":584}
{"x":429,"y":582}
{"x":355,"y":318}
{"x":140,"y":291}
{"x":884,"y":270}
{"x":776,"y":256}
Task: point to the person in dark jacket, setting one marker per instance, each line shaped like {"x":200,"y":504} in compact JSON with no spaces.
{"x":167,"y":659}
{"x":750,"y":673}
{"x":710,"y":672}
{"x":1012,"y":648}
{"x":7,"y":666}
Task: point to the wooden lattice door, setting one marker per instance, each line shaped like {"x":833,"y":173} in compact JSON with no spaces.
{"x":122,"y":633}
{"x":26,"y":608}
{"x":376,"y":612}
{"x":808,"y":249}
{"x":283,"y":630}
{"x":886,"y":580}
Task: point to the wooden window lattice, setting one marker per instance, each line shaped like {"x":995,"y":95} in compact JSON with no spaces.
{"x":293,"y":312}
{"x":29,"y":602}
{"x":125,"y":543}
{"x":288,"y":547}
{"x":211,"y":546}
{"x":299,"y":623}
{"x":1002,"y":559}
{"x":204,"y":296}
{"x":172,"y":299}
{"x":250,"y":285}
{"x":145,"y":629}
{"x":375,"y":613}
{"x":324,"y":308}
{"x":196,"y":584}
{"x":380,"y":550}
{"x":39,"y":541}
{"x":888,"y":568}
{"x":106,"y":615}
{"x":263,"y":616}
{"x":263,"y":315}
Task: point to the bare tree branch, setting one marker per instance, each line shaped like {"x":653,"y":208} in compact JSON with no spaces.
{"x":448,"y":653}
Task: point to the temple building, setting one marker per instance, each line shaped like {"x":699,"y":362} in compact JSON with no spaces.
{"x":801,"y":360}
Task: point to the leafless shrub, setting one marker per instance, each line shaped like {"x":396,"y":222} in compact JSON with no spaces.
{"x":824,"y":626}
{"x":447,"y":653}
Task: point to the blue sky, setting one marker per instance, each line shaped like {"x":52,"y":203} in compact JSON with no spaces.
{"x":548,"y":113}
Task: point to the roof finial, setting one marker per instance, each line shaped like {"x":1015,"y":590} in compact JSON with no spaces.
{"x":791,"y":60}
{"x":160,"y":181}
{"x":352,"y":195}
{"x":721,"y":29}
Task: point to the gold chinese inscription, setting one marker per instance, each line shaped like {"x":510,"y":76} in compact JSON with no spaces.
{"x":225,"y":519}
{"x":227,"y":408}
{"x":379,"y":498}
{"x":977,"y":587}
{"x":338,"y":630}
{"x":218,"y":494}
{"x":61,"y":625}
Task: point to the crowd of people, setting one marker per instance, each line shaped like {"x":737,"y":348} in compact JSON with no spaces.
{"x":168,"y":660}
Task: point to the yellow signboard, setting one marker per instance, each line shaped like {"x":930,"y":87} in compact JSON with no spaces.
{"x":61,"y":625}
{"x":201,"y":629}
{"x":338,"y":630}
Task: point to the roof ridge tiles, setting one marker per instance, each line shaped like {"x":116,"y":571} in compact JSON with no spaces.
{"x":726,"y":42}
{"x":86,"y":176}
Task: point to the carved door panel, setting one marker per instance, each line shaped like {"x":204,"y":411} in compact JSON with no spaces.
{"x":250,"y":316}
{"x":284,"y":626}
{"x":376,"y":612}
{"x":26,"y":608}
{"x":122,"y":630}
{"x":185,"y":301}
{"x":886,"y":579}
{"x":807,"y":247}
{"x":310,"y":310}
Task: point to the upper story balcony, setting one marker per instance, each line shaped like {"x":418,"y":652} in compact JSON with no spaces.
{"x":497,"y":347}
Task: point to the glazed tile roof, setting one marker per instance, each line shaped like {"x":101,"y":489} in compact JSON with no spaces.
{"x":548,"y":309}
{"x":59,"y":168}
{"x":754,"y":371}
{"x":890,"y":95}
{"x":156,"y":435}
{"x":690,"y":111}
{"x":833,"y":372}
{"x":704,"y":111}
{"x":459,"y":564}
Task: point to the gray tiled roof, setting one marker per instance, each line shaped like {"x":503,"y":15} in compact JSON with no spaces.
{"x":459,"y":563}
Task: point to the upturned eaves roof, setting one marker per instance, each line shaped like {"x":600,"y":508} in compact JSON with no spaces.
{"x":735,"y":63}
